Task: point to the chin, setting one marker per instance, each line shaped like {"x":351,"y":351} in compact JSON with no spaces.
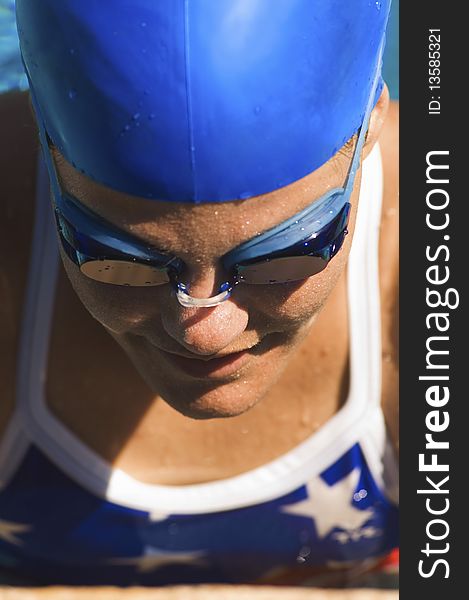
{"x":228,"y":391}
{"x":222,"y":401}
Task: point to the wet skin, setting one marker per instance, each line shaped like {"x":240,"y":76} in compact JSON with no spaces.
{"x":298,"y":368}
{"x":177,"y":350}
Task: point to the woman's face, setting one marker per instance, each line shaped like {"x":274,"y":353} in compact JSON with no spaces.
{"x":220,"y":361}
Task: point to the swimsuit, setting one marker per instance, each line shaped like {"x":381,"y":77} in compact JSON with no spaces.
{"x":68,"y":517}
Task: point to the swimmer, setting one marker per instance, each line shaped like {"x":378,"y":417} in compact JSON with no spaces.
{"x":199,"y":281}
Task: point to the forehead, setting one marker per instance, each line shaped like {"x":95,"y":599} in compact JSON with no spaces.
{"x":176,"y":225}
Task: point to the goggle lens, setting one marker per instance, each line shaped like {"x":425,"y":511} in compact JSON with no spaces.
{"x":289,"y":268}
{"x":121,"y":272}
{"x":281,"y":270}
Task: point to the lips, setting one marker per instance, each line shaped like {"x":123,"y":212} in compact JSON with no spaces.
{"x":209,"y":368}
{"x":213,"y":368}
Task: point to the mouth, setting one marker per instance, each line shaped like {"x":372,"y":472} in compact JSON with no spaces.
{"x":219,"y":367}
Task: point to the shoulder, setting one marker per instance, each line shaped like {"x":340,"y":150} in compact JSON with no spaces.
{"x":18,"y":152}
{"x":389,"y":270}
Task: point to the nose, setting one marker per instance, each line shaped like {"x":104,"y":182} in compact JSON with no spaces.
{"x":203,"y":330}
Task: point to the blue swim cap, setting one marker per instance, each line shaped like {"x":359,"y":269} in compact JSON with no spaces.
{"x":200,"y":100}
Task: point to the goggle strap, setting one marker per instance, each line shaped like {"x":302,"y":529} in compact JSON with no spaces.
{"x":366,"y":121}
{"x":53,"y":179}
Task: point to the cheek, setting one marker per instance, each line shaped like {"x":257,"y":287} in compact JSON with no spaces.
{"x":118,"y":308}
{"x":290,"y":306}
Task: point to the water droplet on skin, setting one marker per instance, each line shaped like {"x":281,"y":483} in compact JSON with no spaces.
{"x":244,"y":431}
{"x":72,"y":94}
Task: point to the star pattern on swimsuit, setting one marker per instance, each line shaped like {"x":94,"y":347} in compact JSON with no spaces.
{"x":155,"y":558}
{"x":322,"y":505}
{"x":9,"y":530}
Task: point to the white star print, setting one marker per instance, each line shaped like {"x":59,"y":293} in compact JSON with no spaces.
{"x":330,"y":506}
{"x":9,"y":531}
{"x":153,"y":558}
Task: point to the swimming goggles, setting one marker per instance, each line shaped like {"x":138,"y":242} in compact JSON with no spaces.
{"x":296,"y":249}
